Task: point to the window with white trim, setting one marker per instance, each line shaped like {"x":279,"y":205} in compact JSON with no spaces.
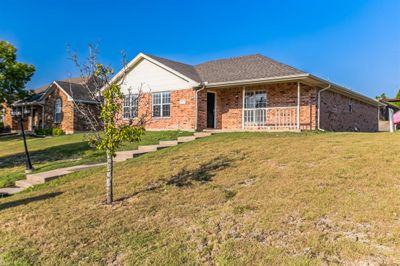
{"x":161,"y":104}
{"x":130,"y":106}
{"x":57,"y":111}
{"x":255,"y":99}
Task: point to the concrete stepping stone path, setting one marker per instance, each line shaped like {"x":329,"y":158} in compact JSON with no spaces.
{"x":40,"y":178}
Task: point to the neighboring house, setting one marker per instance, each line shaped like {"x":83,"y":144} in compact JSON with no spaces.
{"x":244,"y":93}
{"x":52,"y":106}
{"x":388,"y":104}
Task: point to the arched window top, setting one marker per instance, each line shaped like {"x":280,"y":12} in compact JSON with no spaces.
{"x":57,"y":111}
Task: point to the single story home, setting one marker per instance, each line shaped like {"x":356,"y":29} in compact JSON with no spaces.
{"x":250,"y":92}
{"x":52,"y":106}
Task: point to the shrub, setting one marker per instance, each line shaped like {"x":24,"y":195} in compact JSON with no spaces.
{"x":44,"y":131}
{"x":58,"y":132}
{"x":1,"y":125}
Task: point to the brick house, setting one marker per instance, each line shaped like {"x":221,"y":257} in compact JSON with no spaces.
{"x":52,"y":106}
{"x":243,"y":93}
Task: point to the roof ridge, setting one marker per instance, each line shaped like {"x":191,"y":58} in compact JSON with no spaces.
{"x":228,"y":58}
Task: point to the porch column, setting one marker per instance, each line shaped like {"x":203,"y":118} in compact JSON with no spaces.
{"x":243,"y":96}
{"x":42,"y":117}
{"x":31,"y":123}
{"x":298,"y":105}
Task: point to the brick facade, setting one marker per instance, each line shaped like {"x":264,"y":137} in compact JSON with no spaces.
{"x":182,"y":112}
{"x":67,"y":108}
{"x":229,"y":107}
{"x":71,"y":120}
{"x":335,"y":114}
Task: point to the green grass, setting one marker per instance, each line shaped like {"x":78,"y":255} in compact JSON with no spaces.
{"x":57,"y":152}
{"x":228,"y":199}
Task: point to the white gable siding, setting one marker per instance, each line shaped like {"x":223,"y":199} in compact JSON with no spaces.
{"x":152,"y":77}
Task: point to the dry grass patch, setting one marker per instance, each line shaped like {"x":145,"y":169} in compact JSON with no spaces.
{"x":240,"y":198}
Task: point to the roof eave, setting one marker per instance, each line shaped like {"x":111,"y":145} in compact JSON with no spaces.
{"x":346,"y":91}
{"x":125,"y":69}
{"x":256,"y":81}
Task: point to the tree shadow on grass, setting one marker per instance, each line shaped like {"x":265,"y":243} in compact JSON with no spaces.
{"x":204,"y":173}
{"x":16,"y":203}
{"x":51,"y":154}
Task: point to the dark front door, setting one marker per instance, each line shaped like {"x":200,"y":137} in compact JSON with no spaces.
{"x":210,"y":110}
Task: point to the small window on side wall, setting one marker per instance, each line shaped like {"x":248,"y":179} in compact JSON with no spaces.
{"x":350,"y":105}
{"x":130,"y":106}
{"x":161,"y":104}
{"x":57,"y":111}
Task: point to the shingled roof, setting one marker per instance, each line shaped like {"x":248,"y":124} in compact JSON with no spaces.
{"x":74,"y":87}
{"x":185,"y":69}
{"x":232,"y":69}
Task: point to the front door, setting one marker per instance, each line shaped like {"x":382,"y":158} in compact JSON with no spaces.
{"x":210,"y":110}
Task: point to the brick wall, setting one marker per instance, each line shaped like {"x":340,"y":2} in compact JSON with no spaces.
{"x":182,"y":112}
{"x":67,"y":107}
{"x":335,"y":114}
{"x":230,"y":104}
{"x":80,"y":122}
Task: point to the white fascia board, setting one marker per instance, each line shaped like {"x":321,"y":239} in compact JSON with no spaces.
{"x":348,"y":92}
{"x":69,"y":97}
{"x":140,"y":56}
{"x":258,"y":81}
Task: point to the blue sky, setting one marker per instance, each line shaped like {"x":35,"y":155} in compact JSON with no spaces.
{"x":353,"y":43}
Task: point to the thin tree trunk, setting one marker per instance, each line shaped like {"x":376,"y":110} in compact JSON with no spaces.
{"x":109,"y":185}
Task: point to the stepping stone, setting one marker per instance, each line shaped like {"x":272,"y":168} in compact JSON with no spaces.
{"x":201,"y":134}
{"x":47,"y":176}
{"x":27,"y":183}
{"x":186,"y":139}
{"x":148,"y":148}
{"x":168,"y":143}
{"x":10,"y":191}
{"x":82,"y":167}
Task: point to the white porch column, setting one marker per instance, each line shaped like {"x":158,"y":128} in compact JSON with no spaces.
{"x":31,"y":120}
{"x":298,"y":105}
{"x":243,"y":96}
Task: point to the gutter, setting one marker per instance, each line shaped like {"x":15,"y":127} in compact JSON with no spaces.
{"x":348,"y":92}
{"x":319,"y":106}
{"x":196,"y":112}
{"x":257,"y":81}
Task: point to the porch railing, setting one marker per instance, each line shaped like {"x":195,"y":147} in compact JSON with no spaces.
{"x":273,"y":118}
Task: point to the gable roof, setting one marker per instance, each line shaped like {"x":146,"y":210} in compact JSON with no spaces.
{"x":75,"y":88}
{"x":243,"y":68}
{"x":185,"y":69}
{"x":246,"y":67}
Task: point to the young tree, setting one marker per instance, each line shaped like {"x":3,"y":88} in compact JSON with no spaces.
{"x":13,"y":75}
{"x":104,"y":118}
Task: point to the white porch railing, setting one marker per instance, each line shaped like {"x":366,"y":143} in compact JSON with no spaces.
{"x":272,"y":118}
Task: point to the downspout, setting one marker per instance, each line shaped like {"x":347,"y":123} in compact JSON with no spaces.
{"x":319,"y":106}
{"x":196,"y":111}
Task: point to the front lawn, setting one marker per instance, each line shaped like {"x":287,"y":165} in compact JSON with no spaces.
{"x":228,"y":199}
{"x":56,"y":152}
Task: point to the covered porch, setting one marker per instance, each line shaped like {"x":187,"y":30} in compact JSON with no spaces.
{"x":270,"y":107}
{"x":33,"y":116}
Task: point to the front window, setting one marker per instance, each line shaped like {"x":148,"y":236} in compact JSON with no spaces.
{"x":255,"y":99}
{"x":255,"y":104}
{"x":57,"y":111}
{"x":130,"y":106}
{"x":161,"y":104}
